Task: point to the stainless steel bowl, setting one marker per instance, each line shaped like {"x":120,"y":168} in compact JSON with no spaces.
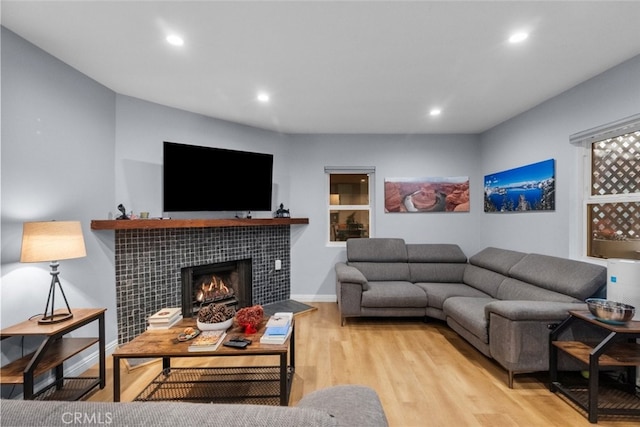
{"x":610,"y":311}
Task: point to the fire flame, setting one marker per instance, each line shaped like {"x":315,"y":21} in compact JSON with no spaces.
{"x":212,"y":289}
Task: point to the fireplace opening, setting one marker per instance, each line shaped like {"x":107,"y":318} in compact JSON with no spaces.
{"x":226,"y":283}
{"x":214,"y":287}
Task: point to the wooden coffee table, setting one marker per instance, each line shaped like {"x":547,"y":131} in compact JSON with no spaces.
{"x":243,"y":384}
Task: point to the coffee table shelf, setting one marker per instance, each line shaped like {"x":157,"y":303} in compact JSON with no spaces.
{"x":258,"y":385}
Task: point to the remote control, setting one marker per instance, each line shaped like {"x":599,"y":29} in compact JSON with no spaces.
{"x":236,"y":344}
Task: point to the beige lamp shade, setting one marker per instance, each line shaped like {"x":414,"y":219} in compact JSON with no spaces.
{"x":52,"y":241}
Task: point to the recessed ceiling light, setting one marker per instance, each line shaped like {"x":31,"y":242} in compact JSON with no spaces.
{"x":263,"y":97}
{"x":175,"y":40}
{"x":435,"y":112}
{"x":518,"y":37}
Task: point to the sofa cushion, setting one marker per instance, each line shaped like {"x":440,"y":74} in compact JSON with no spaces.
{"x":487,"y":281}
{"x":377,"y":250}
{"x":469,"y":313}
{"x":576,"y":278}
{"x":498,"y":260}
{"x":512,"y":289}
{"x":436,"y":272}
{"x":436,"y":262}
{"x":393,"y":294}
{"x":437,"y":293}
{"x":435,"y":252}
{"x":383,"y":270}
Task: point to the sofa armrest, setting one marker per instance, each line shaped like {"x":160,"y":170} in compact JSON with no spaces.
{"x":532,"y":310}
{"x":350,"y":405}
{"x":348,"y":274}
{"x":350,"y":283}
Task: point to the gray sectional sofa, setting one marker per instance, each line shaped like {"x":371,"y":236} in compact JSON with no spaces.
{"x":344,"y":406}
{"x":503,"y":302}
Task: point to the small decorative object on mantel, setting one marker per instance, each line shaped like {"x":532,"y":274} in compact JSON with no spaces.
{"x":124,"y":212}
{"x":214,"y":317}
{"x":282,"y":212}
{"x":249,"y":318}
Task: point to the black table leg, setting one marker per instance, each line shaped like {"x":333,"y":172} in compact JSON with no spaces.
{"x":116,"y":379}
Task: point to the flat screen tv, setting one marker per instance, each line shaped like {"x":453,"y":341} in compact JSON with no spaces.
{"x":197,"y":179}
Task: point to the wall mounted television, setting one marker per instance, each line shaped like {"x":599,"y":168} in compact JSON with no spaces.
{"x":199,"y":179}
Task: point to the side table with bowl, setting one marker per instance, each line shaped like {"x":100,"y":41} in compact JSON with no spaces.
{"x":618,"y":349}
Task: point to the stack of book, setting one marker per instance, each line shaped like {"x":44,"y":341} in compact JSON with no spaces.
{"x":165,"y":318}
{"x":208,"y":340}
{"x":278,"y":328}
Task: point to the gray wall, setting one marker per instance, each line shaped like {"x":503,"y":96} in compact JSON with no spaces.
{"x":143,"y":126}
{"x":312,"y":274}
{"x":543,"y":133}
{"x":58,"y":128}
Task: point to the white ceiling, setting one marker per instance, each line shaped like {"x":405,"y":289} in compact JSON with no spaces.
{"x":339,"y":66}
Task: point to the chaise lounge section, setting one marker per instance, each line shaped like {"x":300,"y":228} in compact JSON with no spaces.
{"x":503,"y":302}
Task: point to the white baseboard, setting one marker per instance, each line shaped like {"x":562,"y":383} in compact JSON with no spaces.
{"x":314,"y":298}
{"x":89,"y":361}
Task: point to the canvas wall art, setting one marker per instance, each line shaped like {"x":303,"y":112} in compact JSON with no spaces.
{"x":431,"y":194}
{"x":524,"y":189}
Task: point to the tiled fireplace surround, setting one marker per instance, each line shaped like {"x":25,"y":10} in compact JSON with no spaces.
{"x":149,"y":262}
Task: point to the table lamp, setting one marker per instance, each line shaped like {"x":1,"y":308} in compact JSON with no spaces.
{"x":52,"y":241}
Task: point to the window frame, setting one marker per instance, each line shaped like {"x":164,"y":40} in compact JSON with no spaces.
{"x":584,"y":141}
{"x":348,"y":170}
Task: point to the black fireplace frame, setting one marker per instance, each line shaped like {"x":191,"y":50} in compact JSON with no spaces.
{"x":243,"y":295}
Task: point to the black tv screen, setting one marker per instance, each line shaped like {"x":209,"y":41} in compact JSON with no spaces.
{"x":214,"y":179}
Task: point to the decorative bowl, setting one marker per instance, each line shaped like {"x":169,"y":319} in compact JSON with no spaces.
{"x":214,"y":326}
{"x":610,"y":311}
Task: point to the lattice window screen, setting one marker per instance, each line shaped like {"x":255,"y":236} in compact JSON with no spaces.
{"x":617,"y":221}
{"x":616,"y":165}
{"x":614,"y":220}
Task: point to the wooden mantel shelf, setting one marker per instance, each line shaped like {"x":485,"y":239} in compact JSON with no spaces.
{"x":132,"y":224}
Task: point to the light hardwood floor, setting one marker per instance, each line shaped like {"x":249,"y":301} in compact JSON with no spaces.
{"x":424,"y":374}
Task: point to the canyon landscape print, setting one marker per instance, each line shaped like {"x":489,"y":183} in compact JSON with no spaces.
{"x":434,"y":194}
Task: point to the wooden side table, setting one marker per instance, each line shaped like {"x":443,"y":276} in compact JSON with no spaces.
{"x":51,"y":354}
{"x":618,"y":349}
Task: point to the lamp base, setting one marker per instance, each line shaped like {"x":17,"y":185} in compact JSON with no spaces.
{"x":55,"y":318}
{"x":50,"y":315}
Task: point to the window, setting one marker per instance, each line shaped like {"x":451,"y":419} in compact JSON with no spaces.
{"x":612,"y":196}
{"x":350,"y":203}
